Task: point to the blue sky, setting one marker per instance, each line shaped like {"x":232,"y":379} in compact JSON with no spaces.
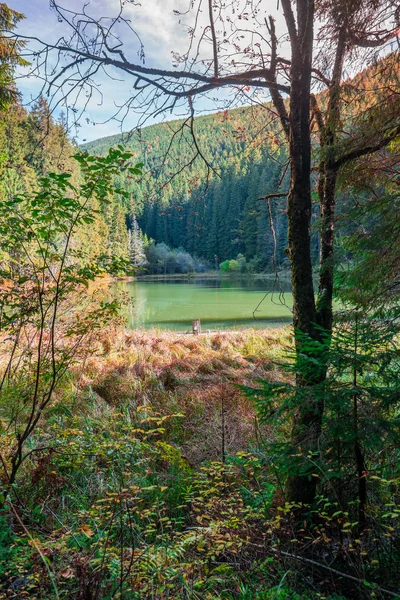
{"x":161,"y":30}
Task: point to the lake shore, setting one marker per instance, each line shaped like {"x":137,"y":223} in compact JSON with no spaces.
{"x":220,"y":304}
{"x":285,"y":275}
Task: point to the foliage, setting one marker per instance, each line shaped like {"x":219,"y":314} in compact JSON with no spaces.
{"x":127,"y":479}
{"x":33,"y":144}
{"x":218,"y":218}
{"x":123,"y":486}
{"x":368,"y":273}
{"x":163,"y":260}
{"x":224,"y":266}
{"x":234,"y":266}
{"x":144,"y":471}
{"x":137,"y":245}
{"x":356,"y":463}
{"x":10,"y":55}
{"x":45,"y":318}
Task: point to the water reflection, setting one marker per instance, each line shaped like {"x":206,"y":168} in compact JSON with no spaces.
{"x":219,"y":303}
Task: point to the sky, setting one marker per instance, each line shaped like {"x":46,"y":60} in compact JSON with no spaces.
{"x":162,"y":31}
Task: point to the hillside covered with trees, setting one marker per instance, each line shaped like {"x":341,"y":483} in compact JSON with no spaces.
{"x":210,"y":200}
{"x":213,"y":208}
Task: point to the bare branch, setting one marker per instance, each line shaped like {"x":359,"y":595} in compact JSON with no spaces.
{"x":274,"y":88}
{"x":214,"y":38}
{"x":376,"y":41}
{"x":291,"y":24}
{"x":277,"y":195}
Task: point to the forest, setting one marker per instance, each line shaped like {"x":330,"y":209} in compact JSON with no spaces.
{"x":214,"y":216}
{"x":234,"y":463}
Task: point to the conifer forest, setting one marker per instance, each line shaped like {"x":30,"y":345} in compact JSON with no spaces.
{"x":200,"y":300}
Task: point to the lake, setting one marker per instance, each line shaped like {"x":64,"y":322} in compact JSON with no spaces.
{"x":218,"y":303}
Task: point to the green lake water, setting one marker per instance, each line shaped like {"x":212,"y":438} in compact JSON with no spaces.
{"x":219,"y":304}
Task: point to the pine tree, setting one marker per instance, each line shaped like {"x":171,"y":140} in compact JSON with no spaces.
{"x":118,"y":233}
{"x":16,"y":175}
{"x":9,"y":55}
{"x":48,"y":146}
{"x":137,"y":253}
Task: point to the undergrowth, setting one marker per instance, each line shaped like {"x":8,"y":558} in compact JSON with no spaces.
{"x":151,"y":478}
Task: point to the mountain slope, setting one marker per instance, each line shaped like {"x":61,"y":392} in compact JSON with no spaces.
{"x":203,"y":196}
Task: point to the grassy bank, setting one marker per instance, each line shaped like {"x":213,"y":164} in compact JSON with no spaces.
{"x":132,"y":486}
{"x":169,"y":372}
{"x":150,"y":477}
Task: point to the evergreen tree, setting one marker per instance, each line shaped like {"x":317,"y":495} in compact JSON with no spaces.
{"x":48,"y":146}
{"x":118,"y":233}
{"x":16,"y":175}
{"x":10,"y":55}
{"x":137,"y":253}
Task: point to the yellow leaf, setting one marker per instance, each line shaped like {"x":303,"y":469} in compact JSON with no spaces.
{"x":85,"y":529}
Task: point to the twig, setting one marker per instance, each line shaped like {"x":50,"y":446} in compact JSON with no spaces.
{"x":36,"y":545}
{"x":331,"y":570}
{"x":214,"y":38}
{"x":270,"y":196}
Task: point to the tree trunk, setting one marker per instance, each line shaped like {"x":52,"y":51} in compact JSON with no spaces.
{"x":307,"y":421}
{"x":325,"y":287}
{"x":327,"y":188}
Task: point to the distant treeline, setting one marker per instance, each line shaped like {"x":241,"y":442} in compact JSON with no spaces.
{"x":213,"y":208}
{"x":212,"y":212}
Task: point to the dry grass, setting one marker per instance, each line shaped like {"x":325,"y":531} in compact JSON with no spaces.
{"x":194,"y":375}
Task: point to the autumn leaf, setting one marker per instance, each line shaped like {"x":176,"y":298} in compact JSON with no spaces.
{"x":85,"y":529}
{"x":67,"y":573}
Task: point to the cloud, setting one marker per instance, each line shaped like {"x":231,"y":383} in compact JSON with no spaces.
{"x":162,"y":26}
{"x":161,"y":30}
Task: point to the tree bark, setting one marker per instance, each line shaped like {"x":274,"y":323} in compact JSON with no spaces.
{"x":325,"y":287}
{"x":299,"y":199}
{"x":307,"y":422}
{"x":327,"y":189}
